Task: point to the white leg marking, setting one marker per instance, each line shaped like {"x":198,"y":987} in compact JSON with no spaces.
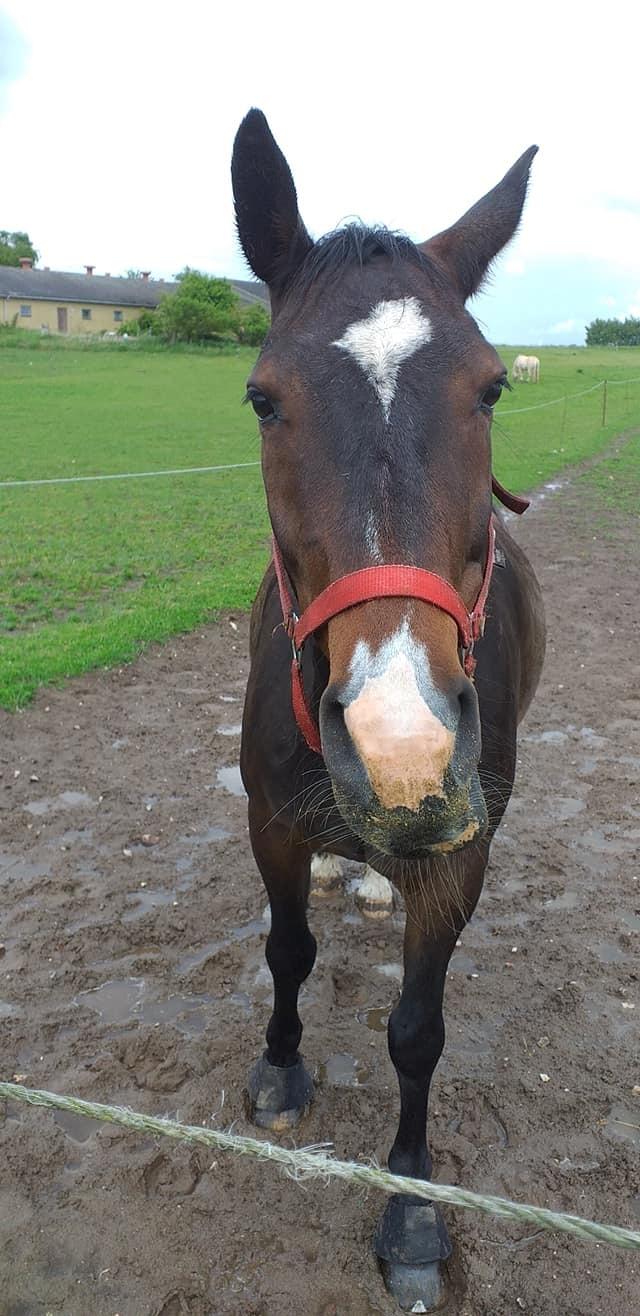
{"x":326,"y":873}
{"x":391,"y":333}
{"x":375,"y":894}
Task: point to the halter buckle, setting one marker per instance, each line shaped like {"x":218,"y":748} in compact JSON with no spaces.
{"x":290,"y":628}
{"x":469,"y":661}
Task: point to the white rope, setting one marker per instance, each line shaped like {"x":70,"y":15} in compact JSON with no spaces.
{"x":127,"y":475}
{"x":555,"y":402}
{"x":309,"y":1163}
{"x":239,"y":466}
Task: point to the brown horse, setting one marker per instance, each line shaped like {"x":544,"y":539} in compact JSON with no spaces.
{"x":374,"y":392}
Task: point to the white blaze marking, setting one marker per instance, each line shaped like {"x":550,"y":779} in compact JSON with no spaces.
{"x":391,"y":333}
{"x":365,"y":665}
{"x":402,"y":742}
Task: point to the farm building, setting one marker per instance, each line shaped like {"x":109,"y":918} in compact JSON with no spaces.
{"x":60,"y":303}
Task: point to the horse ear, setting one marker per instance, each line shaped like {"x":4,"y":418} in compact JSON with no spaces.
{"x":468,"y":247}
{"x":272,"y":234}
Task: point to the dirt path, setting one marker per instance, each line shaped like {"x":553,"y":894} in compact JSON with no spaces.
{"x":133,"y":970}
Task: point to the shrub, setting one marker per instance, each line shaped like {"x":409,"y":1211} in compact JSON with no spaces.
{"x":202,"y":308}
{"x":147,"y":323}
{"x":253,"y":325}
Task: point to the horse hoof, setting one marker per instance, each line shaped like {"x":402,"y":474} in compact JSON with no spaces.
{"x":278,"y":1097}
{"x":415,"y":1288}
{"x":411,"y":1241}
{"x":374,"y":909}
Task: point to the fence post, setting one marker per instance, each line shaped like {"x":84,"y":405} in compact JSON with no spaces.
{"x":604,"y":403}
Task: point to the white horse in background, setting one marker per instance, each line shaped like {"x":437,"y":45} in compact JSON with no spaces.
{"x":526,"y":367}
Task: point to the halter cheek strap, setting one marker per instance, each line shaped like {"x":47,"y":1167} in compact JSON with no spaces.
{"x":392,"y":580}
{"x":510,"y":500}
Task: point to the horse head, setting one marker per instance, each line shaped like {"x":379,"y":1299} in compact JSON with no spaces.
{"x":374,"y":391}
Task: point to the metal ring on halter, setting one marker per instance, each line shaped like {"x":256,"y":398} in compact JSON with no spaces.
{"x":292,"y":622}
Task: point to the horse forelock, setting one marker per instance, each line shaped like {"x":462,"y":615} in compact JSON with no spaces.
{"x":356,"y":245}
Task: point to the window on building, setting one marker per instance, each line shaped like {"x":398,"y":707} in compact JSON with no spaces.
{"x":117,"y":315}
{"x":25,"y":310}
{"x":86,"y":314}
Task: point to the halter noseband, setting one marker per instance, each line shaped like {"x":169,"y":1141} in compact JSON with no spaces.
{"x":391,"y":580}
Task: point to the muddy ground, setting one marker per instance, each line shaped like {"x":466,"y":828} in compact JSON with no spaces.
{"x":132,"y":970}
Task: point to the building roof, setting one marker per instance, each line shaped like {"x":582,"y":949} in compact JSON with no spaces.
{"x":249,"y":290}
{"x":102,"y":289}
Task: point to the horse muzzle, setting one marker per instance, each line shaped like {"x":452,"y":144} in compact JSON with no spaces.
{"x":405,"y":777}
{"x":438,"y":826}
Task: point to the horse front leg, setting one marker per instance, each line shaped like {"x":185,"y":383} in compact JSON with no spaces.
{"x":411,"y":1240}
{"x":280,"y":1088}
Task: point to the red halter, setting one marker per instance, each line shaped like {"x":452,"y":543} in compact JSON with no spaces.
{"x":388,"y":581}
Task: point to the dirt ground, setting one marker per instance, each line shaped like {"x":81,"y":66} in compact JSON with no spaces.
{"x":133,"y":971}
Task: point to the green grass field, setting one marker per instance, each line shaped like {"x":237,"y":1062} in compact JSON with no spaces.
{"x":617,"y":479}
{"x":530,"y":447}
{"x":89,"y":573}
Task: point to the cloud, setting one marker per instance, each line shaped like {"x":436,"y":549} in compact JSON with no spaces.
{"x":554,"y":300}
{"x":13,"y":51}
{"x":628,"y":203}
{"x":514,"y":265}
{"x":562,"y":327}
{"x":580,"y":236}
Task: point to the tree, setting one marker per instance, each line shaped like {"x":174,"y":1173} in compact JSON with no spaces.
{"x":200,"y":308}
{"x":613,"y":333}
{"x":15,"y":245}
{"x":204,"y":287}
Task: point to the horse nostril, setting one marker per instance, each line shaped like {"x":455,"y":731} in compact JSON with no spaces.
{"x":466,"y":698}
{"x":469,"y":725}
{"x":331,"y":718}
{"x":345,"y":767}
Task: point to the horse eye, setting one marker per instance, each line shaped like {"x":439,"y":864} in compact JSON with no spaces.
{"x":491,"y":395}
{"x":263,"y":408}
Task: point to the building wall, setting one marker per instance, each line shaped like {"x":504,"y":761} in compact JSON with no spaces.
{"x":44,"y":315}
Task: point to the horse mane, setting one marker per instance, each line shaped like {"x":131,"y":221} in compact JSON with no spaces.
{"x":357,"y":244}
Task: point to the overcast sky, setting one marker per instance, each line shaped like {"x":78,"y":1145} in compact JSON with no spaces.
{"x":117,"y":121}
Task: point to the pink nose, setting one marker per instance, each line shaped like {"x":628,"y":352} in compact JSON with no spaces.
{"x":404,"y":747}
